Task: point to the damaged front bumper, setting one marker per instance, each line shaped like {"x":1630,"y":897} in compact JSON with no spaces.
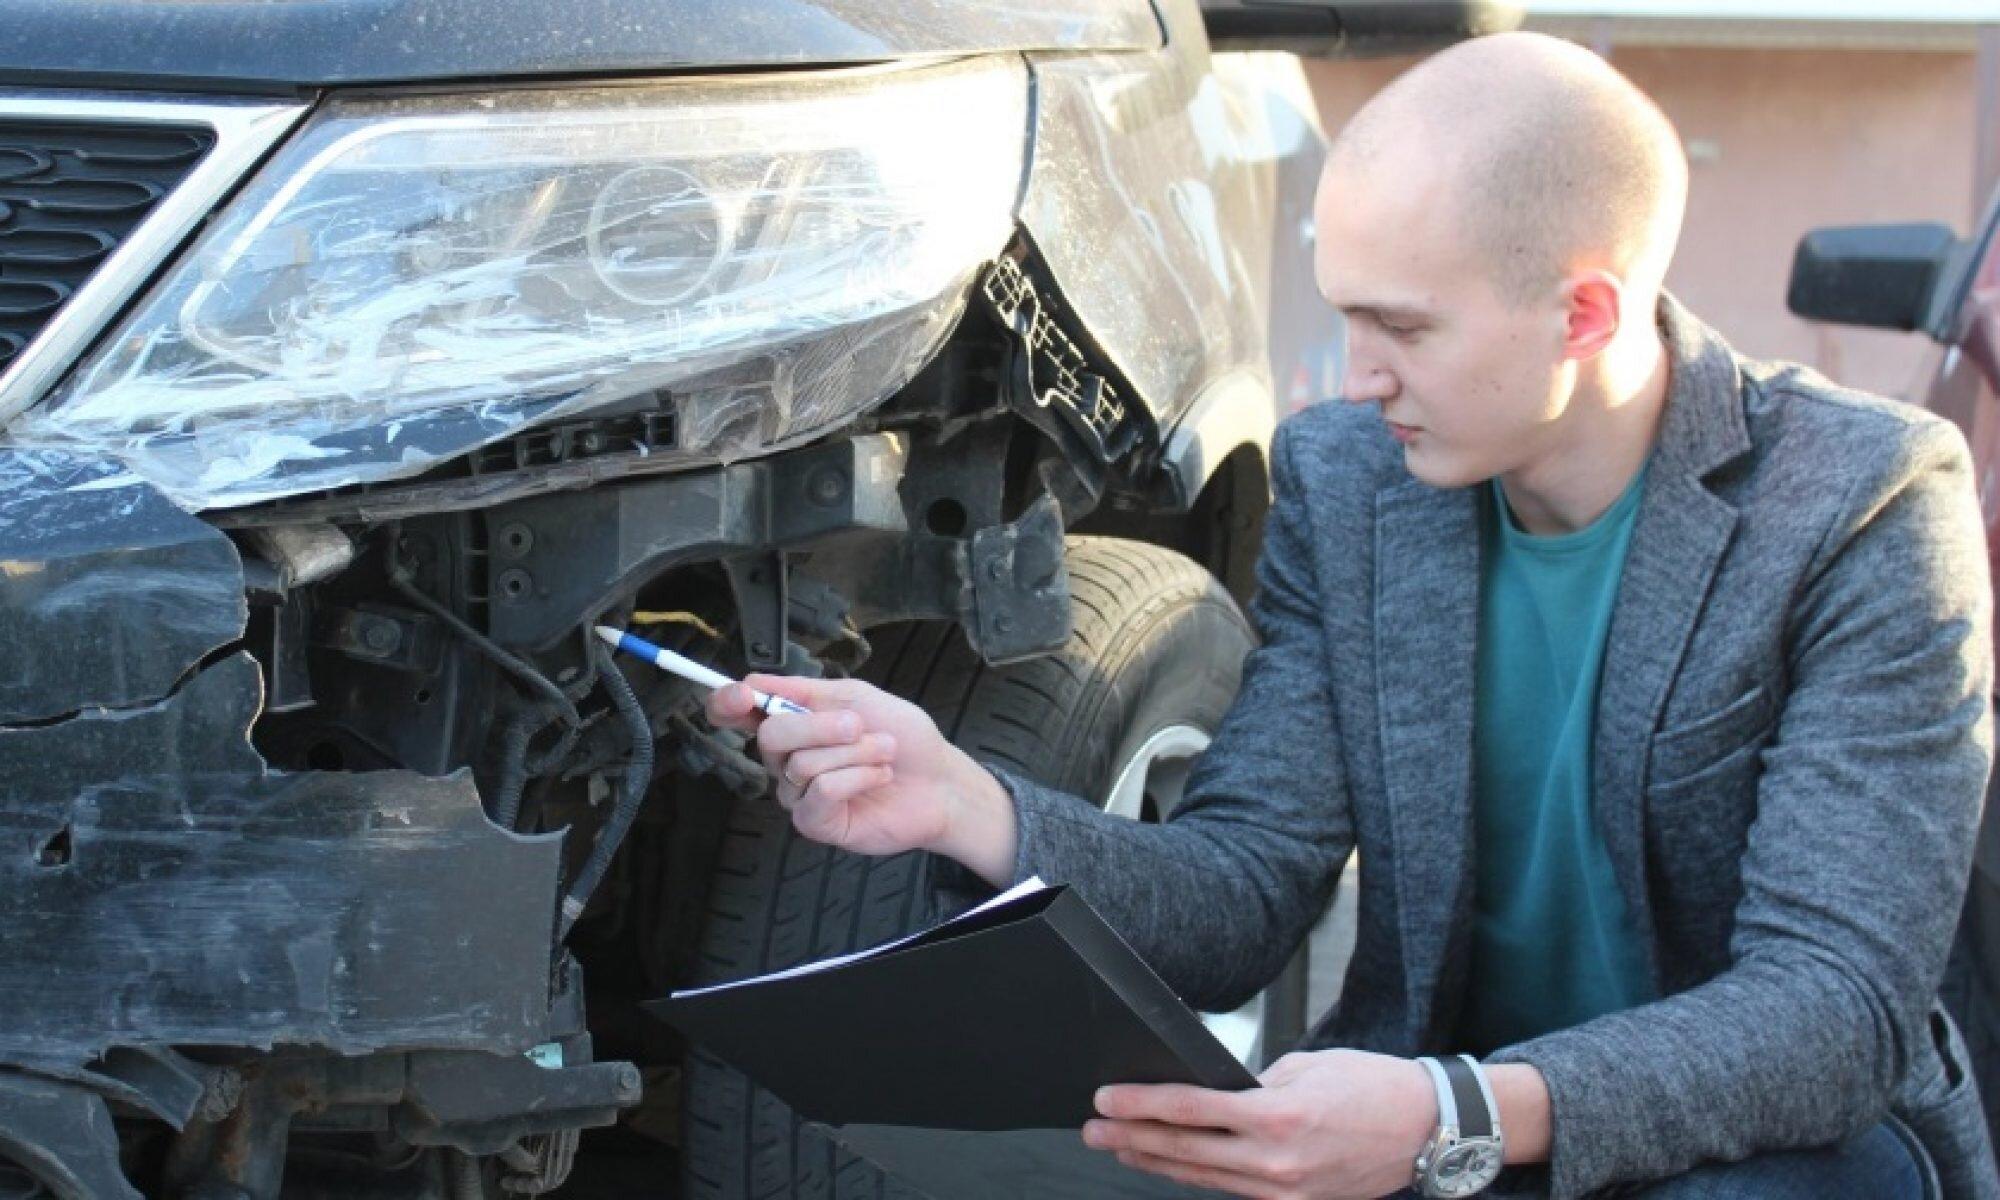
{"x":167,"y":890}
{"x":217,"y":946}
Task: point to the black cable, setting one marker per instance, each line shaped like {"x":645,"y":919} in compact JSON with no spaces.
{"x":399,"y":579}
{"x":579,"y":688}
{"x":546,"y":762}
{"x":514,"y":764}
{"x":631,"y":790}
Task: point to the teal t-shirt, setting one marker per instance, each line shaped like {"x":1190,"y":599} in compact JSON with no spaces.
{"x":1552,"y":944}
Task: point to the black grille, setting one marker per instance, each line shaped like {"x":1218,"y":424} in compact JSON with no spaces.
{"x":69,"y":193}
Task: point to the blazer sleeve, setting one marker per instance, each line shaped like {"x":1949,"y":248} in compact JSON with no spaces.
{"x":1855,"y":866}
{"x":1218,"y":896}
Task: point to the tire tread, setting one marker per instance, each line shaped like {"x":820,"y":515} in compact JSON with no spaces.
{"x":777,"y":899}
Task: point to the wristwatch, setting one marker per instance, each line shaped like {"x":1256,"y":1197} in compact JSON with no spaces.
{"x":1463,"y":1156}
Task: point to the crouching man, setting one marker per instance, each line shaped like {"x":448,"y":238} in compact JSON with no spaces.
{"x":1649,"y":683}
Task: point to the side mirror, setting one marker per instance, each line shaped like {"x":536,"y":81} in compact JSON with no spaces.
{"x":1881,"y":276}
{"x":1352,"y":29}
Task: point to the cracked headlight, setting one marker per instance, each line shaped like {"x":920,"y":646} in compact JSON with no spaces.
{"x":412,"y":278}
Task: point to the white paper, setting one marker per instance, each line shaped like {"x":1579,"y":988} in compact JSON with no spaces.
{"x":1026,"y":887}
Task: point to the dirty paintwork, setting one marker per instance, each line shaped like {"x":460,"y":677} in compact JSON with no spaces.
{"x":107,"y":594}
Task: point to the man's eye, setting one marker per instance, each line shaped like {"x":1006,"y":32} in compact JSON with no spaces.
{"x":1401,"y":333}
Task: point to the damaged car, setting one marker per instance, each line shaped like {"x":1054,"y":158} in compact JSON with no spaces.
{"x":356,"y":359}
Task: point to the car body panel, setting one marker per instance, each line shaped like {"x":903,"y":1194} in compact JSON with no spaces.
{"x":1170,"y":193}
{"x":1964,"y":383}
{"x":345,"y":43}
{"x":108,"y":596}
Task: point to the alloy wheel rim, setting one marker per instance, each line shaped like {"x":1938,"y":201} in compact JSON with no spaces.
{"x":1158,"y":770}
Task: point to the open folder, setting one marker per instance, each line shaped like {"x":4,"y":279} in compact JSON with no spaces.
{"x":964,"y":1059}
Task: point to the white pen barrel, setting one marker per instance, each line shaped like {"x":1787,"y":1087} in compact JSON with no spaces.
{"x":772,"y":705}
{"x":687,"y":668}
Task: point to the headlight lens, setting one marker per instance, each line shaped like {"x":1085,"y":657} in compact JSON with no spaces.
{"x":410,"y":279}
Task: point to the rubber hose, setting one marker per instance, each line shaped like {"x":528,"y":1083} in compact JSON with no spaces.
{"x":514,"y":765}
{"x":631,"y":790}
{"x":542,"y":764}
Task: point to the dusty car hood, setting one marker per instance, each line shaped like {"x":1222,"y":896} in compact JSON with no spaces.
{"x":294,"y":43}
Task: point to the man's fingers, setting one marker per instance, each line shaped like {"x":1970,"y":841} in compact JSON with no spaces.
{"x":813,"y":693}
{"x":788,"y":796}
{"x":1214,"y":1178}
{"x":733,"y":707}
{"x":821,"y":820}
{"x":788,"y":733}
{"x":875,"y":749}
{"x":1177,"y":1104}
{"x":824,"y":812}
{"x":846,"y":783}
{"x":1195,"y":1147}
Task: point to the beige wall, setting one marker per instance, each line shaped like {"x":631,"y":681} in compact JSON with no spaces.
{"x":1783,"y":141}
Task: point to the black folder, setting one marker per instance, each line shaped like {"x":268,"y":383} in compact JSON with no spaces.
{"x":965,"y":1059}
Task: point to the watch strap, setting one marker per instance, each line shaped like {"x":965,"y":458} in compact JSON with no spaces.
{"x":1470,"y":1097}
{"x":1447,"y":1099}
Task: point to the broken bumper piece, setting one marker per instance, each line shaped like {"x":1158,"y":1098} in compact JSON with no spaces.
{"x":163,"y":886}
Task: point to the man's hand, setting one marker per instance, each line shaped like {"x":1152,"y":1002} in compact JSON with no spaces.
{"x":869,"y":772}
{"x":1329,"y":1125}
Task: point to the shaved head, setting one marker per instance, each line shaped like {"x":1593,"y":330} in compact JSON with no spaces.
{"x":1494,"y":228}
{"x":1547,"y":159}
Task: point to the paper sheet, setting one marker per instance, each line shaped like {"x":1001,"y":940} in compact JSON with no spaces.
{"x":1026,"y":887}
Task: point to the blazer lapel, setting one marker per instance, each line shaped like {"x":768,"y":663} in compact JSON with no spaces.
{"x":1426,"y":624}
{"x":1681,"y":533}
{"x":1677,"y":543}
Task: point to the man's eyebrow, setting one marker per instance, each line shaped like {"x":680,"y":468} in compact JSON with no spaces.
{"x":1396,"y":314}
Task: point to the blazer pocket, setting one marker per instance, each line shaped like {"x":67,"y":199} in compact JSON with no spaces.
{"x":1697,"y":830}
{"x":1704,"y":746}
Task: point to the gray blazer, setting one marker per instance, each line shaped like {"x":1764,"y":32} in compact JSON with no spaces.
{"x":1792,"y":743}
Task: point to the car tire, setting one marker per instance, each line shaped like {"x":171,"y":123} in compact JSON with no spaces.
{"x":1153,"y":662}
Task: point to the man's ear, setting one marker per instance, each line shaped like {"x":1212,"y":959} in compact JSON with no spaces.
{"x":1595,"y":304}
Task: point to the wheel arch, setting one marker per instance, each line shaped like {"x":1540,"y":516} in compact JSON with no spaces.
{"x":1217,"y":463}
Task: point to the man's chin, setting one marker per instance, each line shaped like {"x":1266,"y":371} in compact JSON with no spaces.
{"x":1426,"y":465}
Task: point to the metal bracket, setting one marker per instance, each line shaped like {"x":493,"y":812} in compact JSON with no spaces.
{"x":287,"y":674}
{"x":1018,"y":605}
{"x":759,"y":581}
{"x":564,"y":554}
{"x":475,"y":1101}
{"x":382,"y":634}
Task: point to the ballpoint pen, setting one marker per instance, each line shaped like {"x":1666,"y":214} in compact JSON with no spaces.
{"x":689,"y":669}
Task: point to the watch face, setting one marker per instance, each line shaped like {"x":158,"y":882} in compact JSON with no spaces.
{"x":1465,"y":1168}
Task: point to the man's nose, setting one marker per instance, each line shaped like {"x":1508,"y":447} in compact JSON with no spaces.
{"x":1368,"y":383}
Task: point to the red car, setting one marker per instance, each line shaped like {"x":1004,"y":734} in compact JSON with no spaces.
{"x":1923,"y":278}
